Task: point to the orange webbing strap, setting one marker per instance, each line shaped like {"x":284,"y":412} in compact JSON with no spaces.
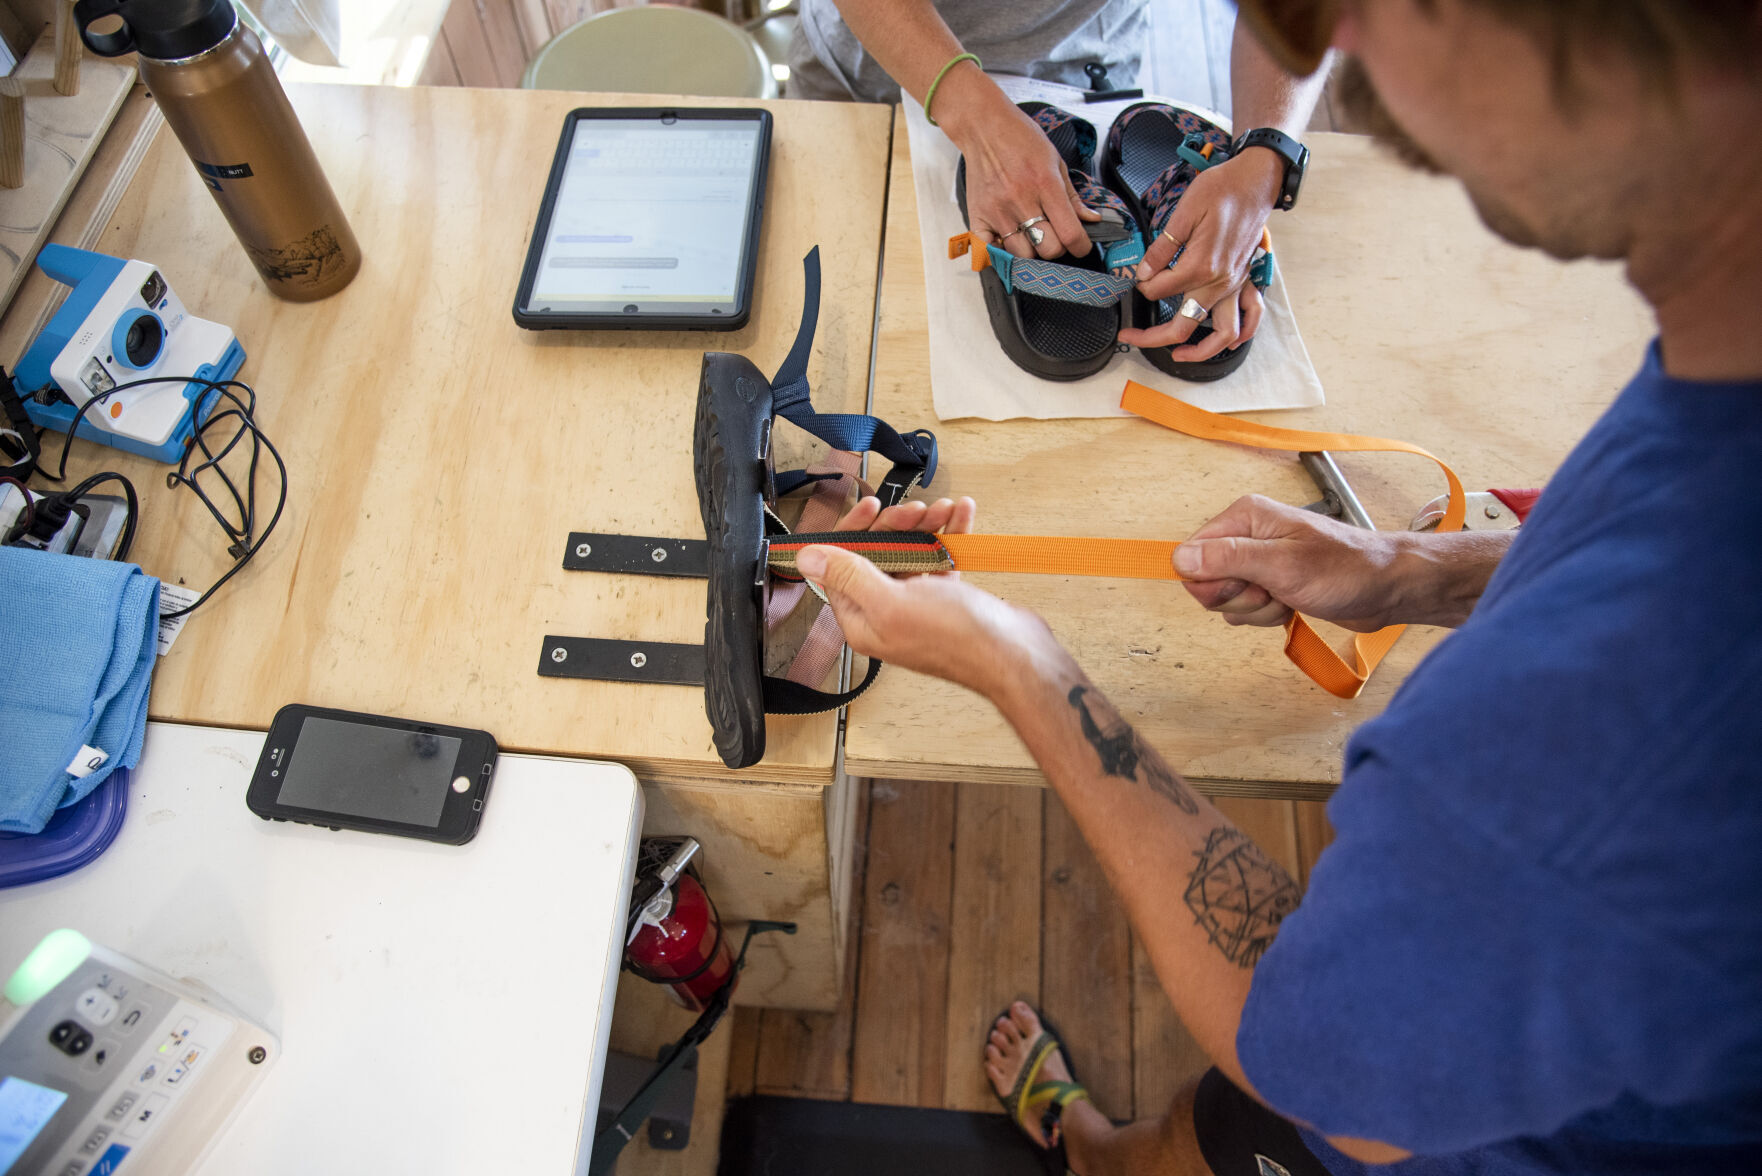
{"x":1061,"y":555}
{"x":1306,"y":649}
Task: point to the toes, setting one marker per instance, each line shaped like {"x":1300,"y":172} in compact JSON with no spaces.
{"x":1023,"y":1019}
{"x":998,"y":1041}
{"x":1011,"y":1034}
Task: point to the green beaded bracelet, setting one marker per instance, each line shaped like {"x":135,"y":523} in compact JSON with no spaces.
{"x":942,"y":73}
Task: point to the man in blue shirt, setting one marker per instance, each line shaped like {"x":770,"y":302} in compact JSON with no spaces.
{"x":1534,"y":950}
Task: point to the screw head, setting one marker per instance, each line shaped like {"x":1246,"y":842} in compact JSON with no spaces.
{"x":1492,"y":512}
{"x":559,"y":654}
{"x":583,"y":550}
{"x":659,"y":554}
{"x":257,"y":1054}
{"x":639,"y":659}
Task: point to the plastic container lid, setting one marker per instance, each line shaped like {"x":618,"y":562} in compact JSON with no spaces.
{"x":73,"y":837}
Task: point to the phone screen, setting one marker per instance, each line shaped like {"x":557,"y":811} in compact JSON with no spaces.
{"x":649,"y":217}
{"x":364,"y":771}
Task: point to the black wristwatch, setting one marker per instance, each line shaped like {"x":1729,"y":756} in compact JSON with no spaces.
{"x":1295,"y":155}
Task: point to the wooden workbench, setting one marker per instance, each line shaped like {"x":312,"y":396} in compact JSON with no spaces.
{"x":439,"y":456}
{"x":1422,"y":326}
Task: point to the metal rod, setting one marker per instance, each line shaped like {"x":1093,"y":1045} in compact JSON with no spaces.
{"x":1331,"y":481}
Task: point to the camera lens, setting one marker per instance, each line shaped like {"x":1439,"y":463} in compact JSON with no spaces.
{"x":143,"y":341}
{"x":153,"y":289}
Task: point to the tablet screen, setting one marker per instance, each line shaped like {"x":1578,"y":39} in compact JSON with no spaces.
{"x":650,"y":217}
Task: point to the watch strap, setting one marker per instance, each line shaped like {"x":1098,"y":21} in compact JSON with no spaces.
{"x":1294,"y":153}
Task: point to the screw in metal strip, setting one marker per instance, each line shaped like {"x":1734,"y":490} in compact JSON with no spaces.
{"x":559,"y":654}
{"x":583,"y":550}
{"x":639,"y":659}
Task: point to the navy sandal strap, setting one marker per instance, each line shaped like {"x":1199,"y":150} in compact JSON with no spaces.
{"x":913,"y":454}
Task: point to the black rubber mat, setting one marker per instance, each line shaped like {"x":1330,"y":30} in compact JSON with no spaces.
{"x":766,"y":1136}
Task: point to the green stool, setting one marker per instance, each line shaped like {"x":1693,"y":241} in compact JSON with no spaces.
{"x":656,"y":49}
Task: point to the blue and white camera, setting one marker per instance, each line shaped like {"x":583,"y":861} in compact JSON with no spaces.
{"x":120,"y":326}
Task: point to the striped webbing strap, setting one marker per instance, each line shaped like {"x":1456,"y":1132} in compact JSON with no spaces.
{"x":898,"y":553}
{"x":1049,"y":279}
{"x":902,"y":553}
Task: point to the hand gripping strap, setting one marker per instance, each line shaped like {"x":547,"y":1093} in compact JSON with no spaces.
{"x":903,"y":553}
{"x":913,"y":454}
{"x":1303,"y":645}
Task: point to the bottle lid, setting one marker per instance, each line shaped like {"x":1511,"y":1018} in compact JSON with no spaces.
{"x":166,"y":30}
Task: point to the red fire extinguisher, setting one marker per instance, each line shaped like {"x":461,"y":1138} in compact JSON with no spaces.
{"x":676,"y":937}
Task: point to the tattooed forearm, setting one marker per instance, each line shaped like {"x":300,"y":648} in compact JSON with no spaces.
{"x":1239,"y":895}
{"x":1120,"y":752}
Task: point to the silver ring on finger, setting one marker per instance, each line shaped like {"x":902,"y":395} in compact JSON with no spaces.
{"x":1192,"y":308}
{"x":1035,"y":235}
{"x":1030,"y":223}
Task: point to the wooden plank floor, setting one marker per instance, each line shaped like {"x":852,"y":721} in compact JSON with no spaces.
{"x":974,"y":895}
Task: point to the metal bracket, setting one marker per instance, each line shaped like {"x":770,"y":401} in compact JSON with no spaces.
{"x":622,"y":661}
{"x":1484,"y":513}
{"x":637,"y":555}
{"x":1338,"y":498}
{"x":670,"y":1121}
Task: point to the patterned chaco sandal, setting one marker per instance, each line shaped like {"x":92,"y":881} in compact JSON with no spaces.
{"x":1061,"y":320}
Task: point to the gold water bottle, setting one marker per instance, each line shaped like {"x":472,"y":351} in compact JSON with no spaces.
{"x":217,"y":89}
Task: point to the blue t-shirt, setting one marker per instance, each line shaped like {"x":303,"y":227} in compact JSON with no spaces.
{"x":1536,"y":944}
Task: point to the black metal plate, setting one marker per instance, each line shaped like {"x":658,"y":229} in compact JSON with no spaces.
{"x":622,"y":661}
{"x":638,"y":555}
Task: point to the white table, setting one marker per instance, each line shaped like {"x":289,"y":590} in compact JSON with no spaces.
{"x":441,"y":1009}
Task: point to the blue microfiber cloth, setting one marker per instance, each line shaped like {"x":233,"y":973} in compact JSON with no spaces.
{"x":76,"y":655}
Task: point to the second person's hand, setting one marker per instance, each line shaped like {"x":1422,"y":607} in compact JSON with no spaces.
{"x":1217,"y":227}
{"x":1013,"y":172}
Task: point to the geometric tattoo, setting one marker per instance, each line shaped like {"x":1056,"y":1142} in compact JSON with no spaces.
{"x":1239,"y":896}
{"x":1122,"y":754}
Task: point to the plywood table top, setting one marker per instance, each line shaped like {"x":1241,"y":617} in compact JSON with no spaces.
{"x":440,"y":455}
{"x":1422,"y":326}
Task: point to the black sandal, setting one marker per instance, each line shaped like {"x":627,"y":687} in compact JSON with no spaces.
{"x":1060,"y":320}
{"x":731,"y":446}
{"x":1154,"y":151}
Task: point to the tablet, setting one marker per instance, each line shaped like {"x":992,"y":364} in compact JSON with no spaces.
{"x":650,"y":221}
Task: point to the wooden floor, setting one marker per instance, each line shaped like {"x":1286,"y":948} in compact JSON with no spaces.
{"x":972,"y":896}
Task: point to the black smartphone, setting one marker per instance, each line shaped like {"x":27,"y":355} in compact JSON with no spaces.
{"x":346,"y":770}
{"x":650,"y":220}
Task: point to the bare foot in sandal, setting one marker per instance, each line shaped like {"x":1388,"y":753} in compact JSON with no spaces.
{"x":1016,"y":1042}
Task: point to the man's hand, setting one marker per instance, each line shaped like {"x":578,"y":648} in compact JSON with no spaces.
{"x":1261,"y":560}
{"x":1013,"y":172}
{"x":934,"y":624}
{"x":1218,"y":224}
